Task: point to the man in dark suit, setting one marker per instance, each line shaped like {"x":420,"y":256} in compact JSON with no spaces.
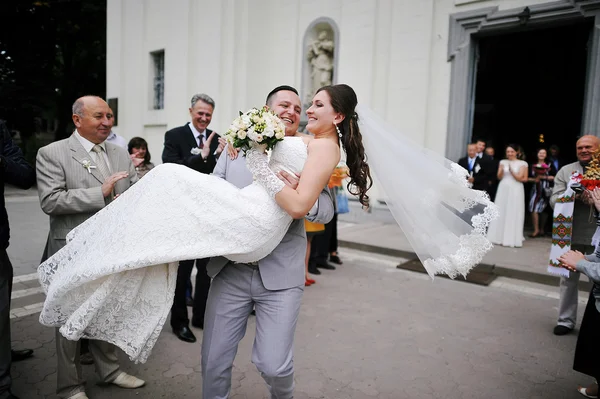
{"x":555,"y":160}
{"x":195,"y":146}
{"x":486,"y":162}
{"x":478,"y":174}
{"x":493,"y":175}
{"x":13,"y":170}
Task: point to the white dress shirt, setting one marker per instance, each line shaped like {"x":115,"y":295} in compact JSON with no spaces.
{"x":88,"y":145}
{"x":197,"y":134}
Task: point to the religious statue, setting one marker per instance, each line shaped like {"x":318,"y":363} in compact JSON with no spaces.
{"x":320,"y":56}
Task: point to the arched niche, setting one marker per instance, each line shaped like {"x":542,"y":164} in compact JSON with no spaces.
{"x":319,"y":59}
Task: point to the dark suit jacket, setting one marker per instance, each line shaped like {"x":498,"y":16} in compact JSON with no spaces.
{"x":178,"y":146}
{"x":13,"y":170}
{"x":481,"y":172}
{"x":553,"y":169}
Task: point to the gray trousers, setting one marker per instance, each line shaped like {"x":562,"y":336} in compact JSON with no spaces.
{"x":68,"y":372}
{"x":233,"y":293}
{"x":569,"y":293}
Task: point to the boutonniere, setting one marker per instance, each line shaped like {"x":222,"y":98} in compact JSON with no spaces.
{"x":477,"y":168}
{"x":196,"y":151}
{"x":88,"y":165}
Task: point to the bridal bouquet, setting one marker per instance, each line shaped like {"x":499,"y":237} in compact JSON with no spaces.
{"x":255,"y":127}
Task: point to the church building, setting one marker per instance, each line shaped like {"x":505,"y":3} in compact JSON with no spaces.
{"x":442,"y":71}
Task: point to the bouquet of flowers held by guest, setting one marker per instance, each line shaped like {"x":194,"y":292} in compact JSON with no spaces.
{"x":339,"y":174}
{"x":336,"y":185}
{"x":541,"y":169}
{"x":255,"y":128}
{"x":591,"y":177}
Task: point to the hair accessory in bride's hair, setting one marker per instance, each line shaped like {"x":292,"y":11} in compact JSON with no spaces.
{"x":338,"y":130}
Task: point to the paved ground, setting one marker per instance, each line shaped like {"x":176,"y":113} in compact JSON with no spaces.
{"x":366,"y":330}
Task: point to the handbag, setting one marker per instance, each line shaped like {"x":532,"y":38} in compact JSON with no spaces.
{"x":342,"y":201}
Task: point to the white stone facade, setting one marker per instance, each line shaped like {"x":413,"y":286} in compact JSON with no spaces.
{"x":394,"y":53}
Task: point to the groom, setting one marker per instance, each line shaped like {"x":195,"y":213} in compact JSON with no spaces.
{"x":273,"y":286}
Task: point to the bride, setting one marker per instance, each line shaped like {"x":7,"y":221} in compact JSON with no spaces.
{"x":110,"y":284}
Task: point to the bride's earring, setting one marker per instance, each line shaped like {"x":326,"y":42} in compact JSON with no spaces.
{"x":338,"y":130}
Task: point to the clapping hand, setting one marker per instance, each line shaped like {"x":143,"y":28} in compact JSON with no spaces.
{"x":569,"y":260}
{"x":205,"y":152}
{"x":135,"y":158}
{"x":109,"y":184}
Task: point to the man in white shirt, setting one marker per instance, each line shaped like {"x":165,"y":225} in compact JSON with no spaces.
{"x":116,"y":139}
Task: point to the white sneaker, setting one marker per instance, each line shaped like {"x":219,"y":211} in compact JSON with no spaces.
{"x":125,"y":380}
{"x":79,"y":395}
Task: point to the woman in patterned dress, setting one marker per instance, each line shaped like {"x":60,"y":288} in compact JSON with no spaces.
{"x":542,"y":176}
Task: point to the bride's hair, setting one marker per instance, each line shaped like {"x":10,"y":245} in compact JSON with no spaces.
{"x":343,"y":100}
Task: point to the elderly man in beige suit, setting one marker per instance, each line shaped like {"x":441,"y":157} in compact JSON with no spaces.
{"x":77,"y":177}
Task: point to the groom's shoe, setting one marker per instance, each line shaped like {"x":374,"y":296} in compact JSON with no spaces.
{"x":185,"y":334}
{"x":562,"y":330}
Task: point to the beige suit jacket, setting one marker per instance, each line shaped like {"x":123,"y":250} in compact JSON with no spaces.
{"x":68,"y":192}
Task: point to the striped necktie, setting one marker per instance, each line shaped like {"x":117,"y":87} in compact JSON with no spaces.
{"x":101,"y":162}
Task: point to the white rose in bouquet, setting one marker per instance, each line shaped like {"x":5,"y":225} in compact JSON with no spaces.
{"x":255,"y":127}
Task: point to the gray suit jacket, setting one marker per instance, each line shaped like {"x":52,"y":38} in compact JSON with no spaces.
{"x":68,"y":192}
{"x":284,"y":267}
{"x":583,"y":227}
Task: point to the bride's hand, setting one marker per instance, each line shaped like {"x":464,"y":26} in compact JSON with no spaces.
{"x":254,"y":146}
{"x":232,"y":152}
{"x":290,"y":180}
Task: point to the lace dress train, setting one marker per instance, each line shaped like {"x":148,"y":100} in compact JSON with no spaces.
{"x":115,"y":279}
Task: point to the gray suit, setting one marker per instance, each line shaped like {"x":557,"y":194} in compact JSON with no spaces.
{"x":70,"y":194}
{"x":274,"y":287}
{"x":581,"y":240}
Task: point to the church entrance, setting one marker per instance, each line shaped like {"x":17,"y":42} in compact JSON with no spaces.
{"x":529,"y":88}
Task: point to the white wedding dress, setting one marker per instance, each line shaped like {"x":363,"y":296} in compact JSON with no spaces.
{"x":507,"y":230}
{"x":115,"y":279}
